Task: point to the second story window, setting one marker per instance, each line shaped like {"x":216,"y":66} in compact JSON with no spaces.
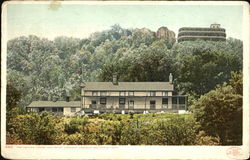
{"x":131,"y":93}
{"x":94,"y":93}
{"x":122,"y":93}
{"x":103,"y":93}
{"x":164,"y":93}
{"x":152,"y":93}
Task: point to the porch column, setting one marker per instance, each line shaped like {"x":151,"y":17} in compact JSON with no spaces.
{"x":113,"y":102}
{"x":83,"y":101}
{"x":186,"y":102}
{"x":145,"y":103}
{"x":170,"y":102}
{"x":178,"y":98}
{"x":126,"y":103}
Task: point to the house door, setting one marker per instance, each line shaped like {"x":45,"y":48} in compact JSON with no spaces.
{"x":131,"y":104}
{"x":93,"y":105}
{"x":152,"y":104}
{"x":122,"y":103}
{"x":41,"y":109}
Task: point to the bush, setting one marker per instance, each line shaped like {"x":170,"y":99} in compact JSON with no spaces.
{"x":203,"y":139}
{"x":75,"y":125}
{"x":37,"y":129}
{"x":13,"y":139}
{"x":177,"y":130}
{"x":220,"y":112}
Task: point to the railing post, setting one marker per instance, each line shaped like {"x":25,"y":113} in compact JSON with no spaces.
{"x":178,"y":98}
{"x":186,"y":102}
{"x":83,"y":101}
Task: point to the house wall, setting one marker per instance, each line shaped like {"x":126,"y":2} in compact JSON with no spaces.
{"x":67,"y":111}
{"x":139,"y":102}
{"x":117,"y":93}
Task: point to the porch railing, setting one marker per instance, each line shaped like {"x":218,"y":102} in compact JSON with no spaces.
{"x":135,"y":107}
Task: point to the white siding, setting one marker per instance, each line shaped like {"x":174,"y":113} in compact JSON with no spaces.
{"x":67,"y":111}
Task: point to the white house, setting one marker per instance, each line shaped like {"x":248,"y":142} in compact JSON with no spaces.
{"x":131,"y":96}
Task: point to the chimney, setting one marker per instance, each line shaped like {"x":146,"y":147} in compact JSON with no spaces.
{"x":115,"y":80}
{"x":170,"y":78}
{"x":67,"y":95}
{"x":54,"y":99}
{"x":67,"y":98}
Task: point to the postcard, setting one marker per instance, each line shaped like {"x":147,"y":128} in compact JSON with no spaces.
{"x":125,"y":80}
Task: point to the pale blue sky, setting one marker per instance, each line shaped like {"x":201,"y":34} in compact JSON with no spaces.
{"x":81,"y":20}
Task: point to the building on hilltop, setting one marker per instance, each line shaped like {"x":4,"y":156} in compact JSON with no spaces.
{"x":118,"y":97}
{"x":214,"y":33}
{"x":164,"y":32}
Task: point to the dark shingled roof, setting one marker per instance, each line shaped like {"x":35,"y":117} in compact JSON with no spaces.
{"x":128,"y":86}
{"x":55,"y":104}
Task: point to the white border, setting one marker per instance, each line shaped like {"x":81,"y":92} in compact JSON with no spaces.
{"x":125,"y":152}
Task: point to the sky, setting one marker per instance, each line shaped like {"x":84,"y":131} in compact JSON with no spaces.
{"x":80,"y":20}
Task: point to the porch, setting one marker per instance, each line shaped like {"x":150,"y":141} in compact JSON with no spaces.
{"x":136,"y":103}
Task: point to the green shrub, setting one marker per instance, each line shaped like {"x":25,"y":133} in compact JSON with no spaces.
{"x":37,"y":129}
{"x":75,"y":125}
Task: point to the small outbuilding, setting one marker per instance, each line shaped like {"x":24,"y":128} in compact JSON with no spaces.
{"x":61,"y":108}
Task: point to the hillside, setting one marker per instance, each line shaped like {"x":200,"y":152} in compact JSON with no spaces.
{"x":41,"y":68}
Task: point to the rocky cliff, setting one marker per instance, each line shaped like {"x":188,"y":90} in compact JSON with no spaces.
{"x":164,"y":32}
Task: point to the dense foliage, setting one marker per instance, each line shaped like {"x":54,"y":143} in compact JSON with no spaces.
{"x":220,"y":111}
{"x":43,"y":69}
{"x":109,"y":129}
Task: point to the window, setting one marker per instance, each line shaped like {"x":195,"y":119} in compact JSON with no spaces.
{"x":103,"y":100}
{"x":122,"y":93}
{"x":152,"y":93}
{"x":73,"y":109}
{"x":152,"y":104}
{"x":181,"y":100}
{"x":54,"y":109}
{"x":60,"y":109}
{"x":174,"y":100}
{"x":164,"y":93}
{"x":164,"y":100}
{"x":121,"y":100}
{"x":41,"y":109}
{"x":103,"y":93}
{"x":48,"y":109}
{"x":131,"y":93}
{"x":94,"y":93}
{"x":93,"y":102}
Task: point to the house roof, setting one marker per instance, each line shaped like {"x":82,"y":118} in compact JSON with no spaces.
{"x":55,"y":104}
{"x":128,"y":86}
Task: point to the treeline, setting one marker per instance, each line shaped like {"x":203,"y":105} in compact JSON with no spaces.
{"x":42,"y":69}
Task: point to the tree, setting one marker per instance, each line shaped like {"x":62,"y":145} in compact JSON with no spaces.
{"x":152,"y":63}
{"x":12,"y":108}
{"x":201,"y":65}
{"x":220,"y":112}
